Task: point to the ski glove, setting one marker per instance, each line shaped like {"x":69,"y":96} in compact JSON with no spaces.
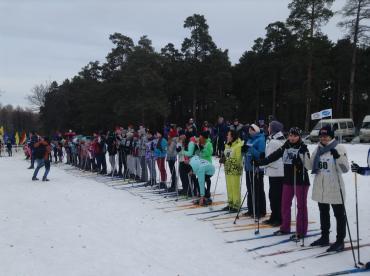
{"x":222,"y":159}
{"x":178,"y":149}
{"x":245,"y":148}
{"x":356,"y":168}
{"x":303,"y":149}
{"x":286,"y":145}
{"x":297,"y":162}
{"x":335,"y":153}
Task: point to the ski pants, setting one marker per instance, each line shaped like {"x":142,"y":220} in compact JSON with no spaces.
{"x":172,"y":166}
{"x":302,"y":217}
{"x":144,"y":169}
{"x":256,"y":195}
{"x":339,"y":216}
{"x":162,"y":168}
{"x":233,"y":190}
{"x":275,"y":195}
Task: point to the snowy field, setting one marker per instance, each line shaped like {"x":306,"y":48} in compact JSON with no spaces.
{"x":80,"y":224}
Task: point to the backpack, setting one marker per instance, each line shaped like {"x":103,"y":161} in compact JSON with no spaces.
{"x":39,"y":152}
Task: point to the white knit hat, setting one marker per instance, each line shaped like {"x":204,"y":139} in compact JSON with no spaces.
{"x":255,"y":128}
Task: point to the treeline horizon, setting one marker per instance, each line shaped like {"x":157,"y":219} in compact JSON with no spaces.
{"x":18,"y":119}
{"x":292,"y":71}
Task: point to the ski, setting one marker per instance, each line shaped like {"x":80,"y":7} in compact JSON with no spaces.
{"x":278,"y":243}
{"x":348,"y":271}
{"x":195,"y":207}
{"x":286,"y":251}
{"x":320,"y":255}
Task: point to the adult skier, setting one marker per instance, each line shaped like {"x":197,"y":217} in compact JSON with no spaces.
{"x":233,"y":161}
{"x":275,"y":172}
{"x":328,"y":162}
{"x":296,"y":182}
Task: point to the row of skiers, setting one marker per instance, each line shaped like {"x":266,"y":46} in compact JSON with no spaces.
{"x":284,"y":161}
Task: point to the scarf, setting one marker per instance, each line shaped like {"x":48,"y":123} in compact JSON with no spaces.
{"x":321,"y":151}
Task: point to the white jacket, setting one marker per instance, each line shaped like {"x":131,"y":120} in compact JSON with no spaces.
{"x":275,"y":169}
{"x":325,"y":187}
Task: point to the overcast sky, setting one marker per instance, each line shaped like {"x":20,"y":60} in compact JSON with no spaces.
{"x":46,"y":40}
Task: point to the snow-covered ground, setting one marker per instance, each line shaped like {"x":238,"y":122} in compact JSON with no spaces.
{"x":79,"y":225}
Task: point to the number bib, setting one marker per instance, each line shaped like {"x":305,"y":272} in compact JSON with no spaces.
{"x":228,"y":153}
{"x":289,"y":154}
{"x":325,"y":165}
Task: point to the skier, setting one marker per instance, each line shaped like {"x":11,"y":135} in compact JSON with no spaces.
{"x":33,"y":140}
{"x":160,"y":155}
{"x":143,"y":140}
{"x":296,"y":182}
{"x":112,"y":152}
{"x":42,"y":150}
{"x":253,"y":150}
{"x":184,"y":167}
{"x":204,"y":170}
{"x":150,"y":159}
{"x":233,"y":161}
{"x":221,"y":130}
{"x":9,"y":147}
{"x":275,"y":172}
{"x":172,"y":157}
{"x":236,"y":126}
{"x":328,"y":162}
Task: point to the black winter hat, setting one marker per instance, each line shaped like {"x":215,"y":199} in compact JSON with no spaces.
{"x":295,"y":131}
{"x":205,"y":134}
{"x":326,"y":130}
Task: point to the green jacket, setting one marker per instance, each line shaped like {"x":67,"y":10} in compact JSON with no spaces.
{"x":207,"y":151}
{"x":234,"y":158}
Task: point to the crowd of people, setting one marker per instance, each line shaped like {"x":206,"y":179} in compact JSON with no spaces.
{"x":6,"y":146}
{"x":251,"y":151}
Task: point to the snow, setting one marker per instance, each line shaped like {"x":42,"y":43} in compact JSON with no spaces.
{"x":78,"y":225}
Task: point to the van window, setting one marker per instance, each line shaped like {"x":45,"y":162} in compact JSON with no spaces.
{"x":343,"y":125}
{"x":366,"y":125}
{"x":350,"y":125}
{"x":335,"y":126}
{"x":319,"y":125}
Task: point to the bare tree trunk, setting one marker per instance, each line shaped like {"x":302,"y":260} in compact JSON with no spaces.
{"x":258,"y":104}
{"x":194,"y":104}
{"x":309,"y":72}
{"x":354,"y":60}
{"x":274,"y":92}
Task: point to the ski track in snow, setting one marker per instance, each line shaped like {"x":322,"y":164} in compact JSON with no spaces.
{"x":76,"y":225}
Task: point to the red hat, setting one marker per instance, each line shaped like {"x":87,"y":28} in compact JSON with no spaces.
{"x":173,"y":133}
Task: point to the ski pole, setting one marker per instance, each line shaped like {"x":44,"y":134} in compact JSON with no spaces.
{"x":295,"y":201}
{"x":303,"y":195}
{"x":218,"y":174}
{"x":345,"y":213}
{"x":177,"y":178}
{"x":254,"y":196}
{"x":258,"y":202}
{"x":240,"y":207}
{"x":357,"y":224}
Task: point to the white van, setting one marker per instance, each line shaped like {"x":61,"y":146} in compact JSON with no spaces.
{"x":365,"y":130}
{"x":344,"y":129}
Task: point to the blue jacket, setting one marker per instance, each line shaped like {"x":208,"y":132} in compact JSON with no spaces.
{"x":160,"y":151}
{"x":257,"y":145}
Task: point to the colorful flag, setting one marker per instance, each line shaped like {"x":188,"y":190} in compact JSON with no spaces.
{"x":23,"y":138}
{"x":17,"y":138}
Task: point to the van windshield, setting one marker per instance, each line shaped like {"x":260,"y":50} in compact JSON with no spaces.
{"x":319,"y":125}
{"x":366,"y":125}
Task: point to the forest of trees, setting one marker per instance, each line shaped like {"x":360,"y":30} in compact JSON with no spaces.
{"x":17,"y":119}
{"x":290,"y":72}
